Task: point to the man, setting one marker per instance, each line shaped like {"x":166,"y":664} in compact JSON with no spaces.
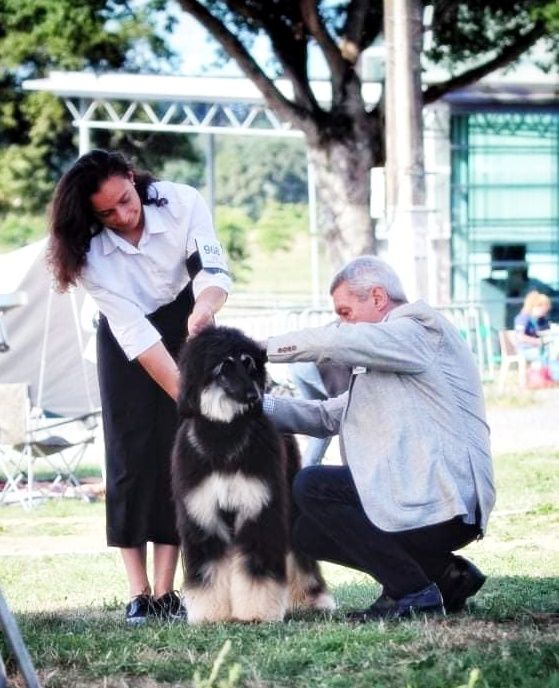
{"x":417,"y":479}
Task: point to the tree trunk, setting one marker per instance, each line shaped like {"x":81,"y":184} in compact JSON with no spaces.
{"x":342,"y":172}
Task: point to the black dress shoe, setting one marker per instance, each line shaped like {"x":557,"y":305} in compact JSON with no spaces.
{"x":169,"y":606}
{"x":138,"y":609}
{"x":460,"y":580}
{"x":425,"y":601}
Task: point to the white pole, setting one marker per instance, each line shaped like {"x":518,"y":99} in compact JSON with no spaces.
{"x":79,"y":337}
{"x":84,"y":138}
{"x":42,"y":365}
{"x":405,"y":174}
{"x":210,"y":173}
{"x":313,"y":232}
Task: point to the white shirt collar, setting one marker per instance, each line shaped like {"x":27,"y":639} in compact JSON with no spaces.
{"x":111,"y":239}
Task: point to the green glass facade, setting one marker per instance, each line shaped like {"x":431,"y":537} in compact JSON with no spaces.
{"x":505,"y":209}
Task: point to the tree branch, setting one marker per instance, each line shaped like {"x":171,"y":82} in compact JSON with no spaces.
{"x":505,"y":57}
{"x":343,"y":76}
{"x":318,"y":31}
{"x":289,"y":44}
{"x":354,"y":29}
{"x":444,"y":10}
{"x":295,"y":114}
{"x":298,"y":75}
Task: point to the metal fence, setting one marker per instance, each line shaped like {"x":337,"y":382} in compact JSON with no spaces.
{"x":472,"y":321}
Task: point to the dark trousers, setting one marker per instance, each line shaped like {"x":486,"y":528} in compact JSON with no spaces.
{"x":332,"y":526}
{"x":139,"y":421}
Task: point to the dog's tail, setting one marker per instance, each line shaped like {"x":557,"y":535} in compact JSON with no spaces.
{"x":307,"y":588}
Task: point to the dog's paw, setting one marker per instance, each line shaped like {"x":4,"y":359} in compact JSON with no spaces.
{"x":323,"y":602}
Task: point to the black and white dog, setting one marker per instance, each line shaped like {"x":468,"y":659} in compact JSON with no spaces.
{"x":231,"y":476}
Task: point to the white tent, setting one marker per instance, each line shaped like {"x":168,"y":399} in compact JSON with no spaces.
{"x":49,"y":336}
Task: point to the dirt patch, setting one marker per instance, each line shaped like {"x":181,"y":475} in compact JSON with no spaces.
{"x":465,"y":632}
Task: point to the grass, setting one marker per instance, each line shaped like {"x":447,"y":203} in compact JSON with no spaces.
{"x":67,"y":591}
{"x":287,"y":273}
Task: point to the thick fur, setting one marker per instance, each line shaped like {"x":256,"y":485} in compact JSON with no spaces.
{"x":231,"y":477}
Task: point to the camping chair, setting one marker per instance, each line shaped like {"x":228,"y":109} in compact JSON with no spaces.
{"x":60,"y":443}
{"x":510,"y":357}
{"x":13,"y":427}
{"x":61,"y":453}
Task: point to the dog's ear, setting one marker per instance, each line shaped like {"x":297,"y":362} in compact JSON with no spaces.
{"x":262,"y":347}
{"x":186,"y":402}
{"x":186,"y":405}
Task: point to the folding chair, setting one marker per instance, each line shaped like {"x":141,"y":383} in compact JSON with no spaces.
{"x":30,"y":437}
{"x":510,"y":357}
{"x":63,"y":453}
{"x":14,"y":402}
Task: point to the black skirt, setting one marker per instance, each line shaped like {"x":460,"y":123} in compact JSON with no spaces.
{"x":139,"y":422}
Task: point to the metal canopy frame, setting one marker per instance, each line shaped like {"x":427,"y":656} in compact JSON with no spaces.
{"x":177,"y":117}
{"x":197,"y":105}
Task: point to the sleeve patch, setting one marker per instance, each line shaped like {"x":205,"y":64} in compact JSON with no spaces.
{"x":211,"y":254}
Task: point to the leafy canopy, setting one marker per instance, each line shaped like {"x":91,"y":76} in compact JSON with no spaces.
{"x":471,"y":38}
{"x":38,"y":35}
{"x":37,"y":139}
{"x":250,"y":172}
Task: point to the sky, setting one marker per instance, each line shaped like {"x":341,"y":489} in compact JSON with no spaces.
{"x":197,"y":50}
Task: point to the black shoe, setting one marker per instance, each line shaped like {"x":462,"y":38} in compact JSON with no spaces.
{"x":169,"y":606}
{"x":460,"y":580}
{"x":138,"y":609}
{"x":426,"y":601}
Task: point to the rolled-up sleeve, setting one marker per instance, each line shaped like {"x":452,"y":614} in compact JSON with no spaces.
{"x":205,"y":279}
{"x":129,"y":325}
{"x":201,"y":233}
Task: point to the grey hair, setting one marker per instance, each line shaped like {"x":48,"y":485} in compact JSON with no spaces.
{"x":365,"y":272}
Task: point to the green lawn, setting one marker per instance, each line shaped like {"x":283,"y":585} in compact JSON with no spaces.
{"x":68,"y":593}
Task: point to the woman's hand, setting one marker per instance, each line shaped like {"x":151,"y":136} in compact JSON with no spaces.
{"x":207,"y":304}
{"x":202,"y":316}
{"x":159,"y":365}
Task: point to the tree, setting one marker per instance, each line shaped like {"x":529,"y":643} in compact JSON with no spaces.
{"x":345,"y":136}
{"x":36,"y":138}
{"x":279,"y":224}
{"x":231,"y":224}
{"x":252,"y":171}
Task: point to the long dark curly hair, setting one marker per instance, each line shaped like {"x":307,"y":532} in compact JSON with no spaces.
{"x":72,"y":220}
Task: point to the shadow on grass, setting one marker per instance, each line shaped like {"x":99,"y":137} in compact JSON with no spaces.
{"x":501,"y":598}
{"x":508,"y":635}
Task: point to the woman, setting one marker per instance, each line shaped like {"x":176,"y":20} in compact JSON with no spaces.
{"x":530,"y":323}
{"x":146,"y":252}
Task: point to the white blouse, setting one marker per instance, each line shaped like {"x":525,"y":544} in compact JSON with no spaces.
{"x":128,"y":282}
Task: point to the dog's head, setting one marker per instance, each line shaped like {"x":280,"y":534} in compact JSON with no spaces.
{"x":223,"y":375}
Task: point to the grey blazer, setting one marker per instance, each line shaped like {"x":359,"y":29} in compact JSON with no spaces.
{"x":412,"y":424}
